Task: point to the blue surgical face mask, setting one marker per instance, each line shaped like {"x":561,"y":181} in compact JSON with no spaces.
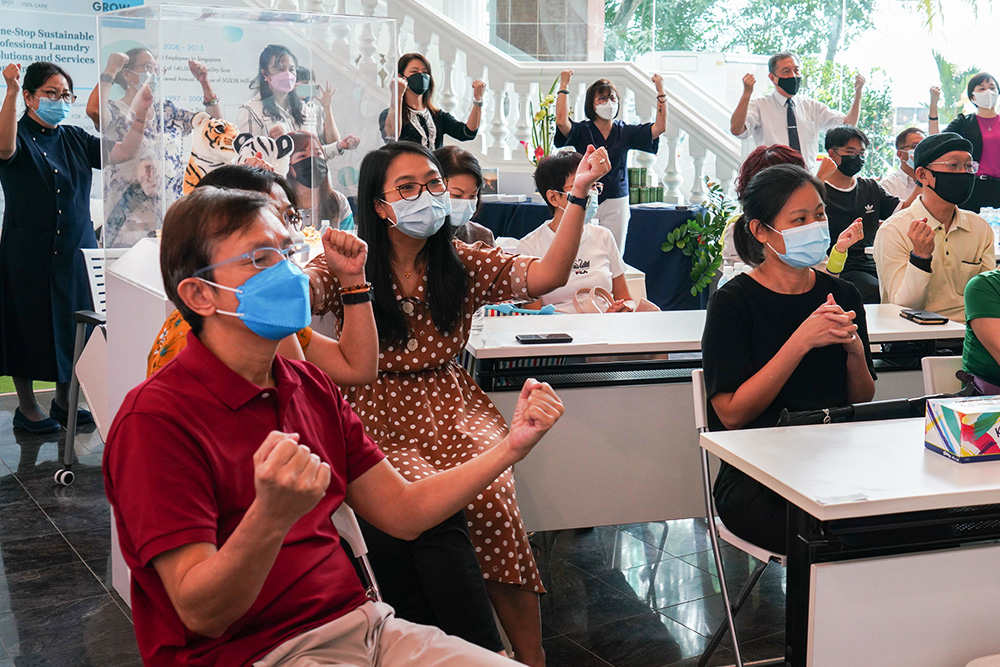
{"x":274,"y":304}
{"x":422,"y":217}
{"x":53,"y":112}
{"x":805,"y":246}
{"x":591,"y":211}
{"x":909,"y":159}
{"x":461,"y":211}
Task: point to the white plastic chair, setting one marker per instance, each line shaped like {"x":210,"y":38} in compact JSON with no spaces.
{"x":717,"y":530}
{"x":346,"y":523}
{"x":988,"y":661}
{"x":939,"y":374}
{"x":97,"y":260}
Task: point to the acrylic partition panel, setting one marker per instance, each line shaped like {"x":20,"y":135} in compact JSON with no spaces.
{"x":292,"y":131}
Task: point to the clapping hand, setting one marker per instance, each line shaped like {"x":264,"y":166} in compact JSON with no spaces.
{"x":854,"y":233}
{"x":538,"y":409}
{"x":345,"y":254}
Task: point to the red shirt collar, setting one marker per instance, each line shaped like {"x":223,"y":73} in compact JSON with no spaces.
{"x":226,"y":384}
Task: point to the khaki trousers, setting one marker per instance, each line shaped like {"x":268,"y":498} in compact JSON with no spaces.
{"x":371,"y":636}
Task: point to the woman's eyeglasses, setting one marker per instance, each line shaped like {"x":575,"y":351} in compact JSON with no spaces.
{"x":56,"y":96}
{"x":412,"y":191}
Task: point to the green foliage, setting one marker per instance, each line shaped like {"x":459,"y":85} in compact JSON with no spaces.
{"x":701,"y":239}
{"x":954,"y":82}
{"x":543,"y":123}
{"x":807,"y":27}
{"x":635,"y":27}
{"x":833,"y":85}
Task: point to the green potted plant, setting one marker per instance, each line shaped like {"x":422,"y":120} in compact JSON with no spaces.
{"x":701,"y":239}
{"x":543,"y":124}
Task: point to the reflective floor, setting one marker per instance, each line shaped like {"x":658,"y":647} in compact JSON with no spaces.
{"x":639,"y":595}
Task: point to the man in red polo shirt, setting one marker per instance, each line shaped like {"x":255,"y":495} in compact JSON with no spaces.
{"x":224,"y":467}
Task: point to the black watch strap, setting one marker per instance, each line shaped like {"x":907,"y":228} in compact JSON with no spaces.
{"x":579,"y":201}
{"x":106,"y":78}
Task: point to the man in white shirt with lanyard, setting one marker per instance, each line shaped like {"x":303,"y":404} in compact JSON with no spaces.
{"x":783,"y":116}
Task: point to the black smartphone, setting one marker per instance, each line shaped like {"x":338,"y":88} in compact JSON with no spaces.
{"x":534,"y":339}
{"x":923,"y":316}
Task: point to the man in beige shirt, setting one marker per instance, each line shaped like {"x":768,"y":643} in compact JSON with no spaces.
{"x":925,"y":254}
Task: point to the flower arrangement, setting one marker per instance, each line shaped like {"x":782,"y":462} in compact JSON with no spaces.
{"x":701,"y":239}
{"x":543,"y":124}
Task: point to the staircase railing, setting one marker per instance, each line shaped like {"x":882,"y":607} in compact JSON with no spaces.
{"x":695,"y":144}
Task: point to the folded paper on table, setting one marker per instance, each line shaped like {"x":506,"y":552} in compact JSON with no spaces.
{"x":964,"y":429}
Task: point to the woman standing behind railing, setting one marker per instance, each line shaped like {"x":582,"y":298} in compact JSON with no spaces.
{"x":602,"y":108}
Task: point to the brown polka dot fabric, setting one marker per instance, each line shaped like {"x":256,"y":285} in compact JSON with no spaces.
{"x":427,"y":413}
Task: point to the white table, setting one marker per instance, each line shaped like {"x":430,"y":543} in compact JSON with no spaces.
{"x":625,"y":451}
{"x":859,"y":592}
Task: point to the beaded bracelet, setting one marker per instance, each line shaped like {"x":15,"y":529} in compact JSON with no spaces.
{"x":355,"y":289}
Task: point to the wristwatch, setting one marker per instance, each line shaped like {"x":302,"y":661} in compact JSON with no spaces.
{"x":579,"y":201}
{"x":106,"y":78}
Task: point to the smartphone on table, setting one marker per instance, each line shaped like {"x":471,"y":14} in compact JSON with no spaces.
{"x":923,"y":316}
{"x":535,"y":339}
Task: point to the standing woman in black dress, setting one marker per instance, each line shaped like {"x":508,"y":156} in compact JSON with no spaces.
{"x":45,"y":171}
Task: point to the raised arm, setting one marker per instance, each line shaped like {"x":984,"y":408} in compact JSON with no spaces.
{"x":352,"y":360}
{"x":738,"y":122}
{"x":855,"y":112}
{"x":405,"y":509}
{"x":200,"y":72}
{"x":552,"y":271}
{"x":933,"y":125}
{"x":562,"y":103}
{"x":660,"y":124}
{"x":8,"y":112}
{"x":211,"y":588}
{"x":97,"y":103}
{"x":331,"y":134}
{"x":476,"y":113}
{"x":398,"y":87}
{"x":128,"y":148}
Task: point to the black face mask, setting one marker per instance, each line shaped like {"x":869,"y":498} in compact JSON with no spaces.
{"x":311,"y":172}
{"x":953,"y":188}
{"x":419,"y":82}
{"x":790,"y":84}
{"x":850,"y":164}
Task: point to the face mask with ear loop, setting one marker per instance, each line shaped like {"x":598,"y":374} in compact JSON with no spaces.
{"x":805,"y":246}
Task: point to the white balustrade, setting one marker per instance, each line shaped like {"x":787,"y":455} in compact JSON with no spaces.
{"x":696,"y":141}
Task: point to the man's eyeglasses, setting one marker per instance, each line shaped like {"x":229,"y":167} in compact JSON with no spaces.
{"x":56,"y":96}
{"x":595,"y":189}
{"x":958,"y":167}
{"x":412,"y":191}
{"x":261,"y":258}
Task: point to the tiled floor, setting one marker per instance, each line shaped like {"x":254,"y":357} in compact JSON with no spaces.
{"x":639,"y":595}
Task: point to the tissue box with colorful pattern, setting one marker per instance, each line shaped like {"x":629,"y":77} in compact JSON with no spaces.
{"x":964,"y":429}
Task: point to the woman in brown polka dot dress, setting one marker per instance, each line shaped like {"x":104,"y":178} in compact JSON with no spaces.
{"x":425,"y":411}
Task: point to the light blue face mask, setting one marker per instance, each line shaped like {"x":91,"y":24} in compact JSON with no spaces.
{"x":422,"y":217}
{"x":805,"y":246}
{"x":53,"y":112}
{"x":591,"y":211}
{"x":274,"y":304}
{"x":461,"y":211}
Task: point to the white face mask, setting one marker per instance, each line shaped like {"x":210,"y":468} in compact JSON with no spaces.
{"x":607,"y":110}
{"x":461,"y":211}
{"x":985,"y":99}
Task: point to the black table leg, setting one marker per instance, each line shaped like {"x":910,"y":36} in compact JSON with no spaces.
{"x":803,"y":542}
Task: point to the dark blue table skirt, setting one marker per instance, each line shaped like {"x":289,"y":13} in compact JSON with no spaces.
{"x":668,"y":275}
